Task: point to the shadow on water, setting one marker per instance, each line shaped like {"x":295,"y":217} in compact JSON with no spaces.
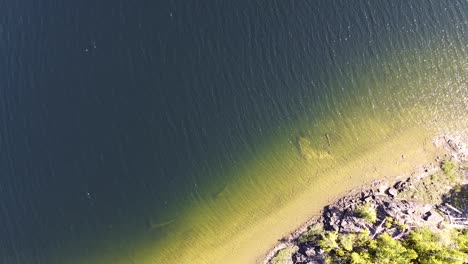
{"x":219,"y":192}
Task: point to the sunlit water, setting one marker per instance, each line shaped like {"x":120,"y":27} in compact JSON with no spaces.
{"x":160,"y":133}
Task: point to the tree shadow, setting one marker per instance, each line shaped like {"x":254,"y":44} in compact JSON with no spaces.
{"x":458,"y":198}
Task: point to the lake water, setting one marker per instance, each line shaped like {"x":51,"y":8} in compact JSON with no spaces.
{"x":155,"y":131}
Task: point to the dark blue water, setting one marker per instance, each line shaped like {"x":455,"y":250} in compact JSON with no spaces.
{"x":114,"y":113}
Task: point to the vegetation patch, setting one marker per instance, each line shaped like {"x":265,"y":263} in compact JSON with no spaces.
{"x":421,"y":246}
{"x":367,"y":212}
{"x":431,"y":189}
{"x":311,"y":234}
{"x":284,"y":255}
{"x":450,"y":168}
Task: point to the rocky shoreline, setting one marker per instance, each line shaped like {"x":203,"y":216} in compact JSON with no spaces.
{"x":434,"y":196}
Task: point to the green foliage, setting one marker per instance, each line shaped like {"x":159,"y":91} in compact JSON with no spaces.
{"x":284,"y":255}
{"x":422,"y":246}
{"x":360,"y":258}
{"x":431,"y":249}
{"x":347,"y":242}
{"x":423,"y":240}
{"x":400,"y":225}
{"x":367,"y":212}
{"x":389,"y":222}
{"x":362,"y":238}
{"x":312,"y":234}
{"x":462,"y":241}
{"x":449,"y":167}
{"x":342,"y":248}
{"x":389,"y":250}
{"x":360,"y":248}
{"x":329,"y":242}
{"x":431,"y":189}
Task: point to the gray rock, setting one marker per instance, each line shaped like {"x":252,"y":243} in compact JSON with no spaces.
{"x":453,"y":145}
{"x":402,"y":185}
{"x":392,"y":192}
{"x":427,"y":207}
{"x":317,"y":260}
{"x":298,"y":257}
{"x":433,"y":217}
{"x":383,"y":188}
{"x":334,"y":227}
{"x":465,"y":174}
{"x":353,"y":225}
{"x":310,"y":252}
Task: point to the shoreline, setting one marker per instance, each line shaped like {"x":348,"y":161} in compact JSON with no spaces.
{"x":253,"y":239}
{"x":384,"y":157}
{"x":454,"y":149}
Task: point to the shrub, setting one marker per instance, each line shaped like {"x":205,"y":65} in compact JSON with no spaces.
{"x":400,"y":225}
{"x":284,"y":255}
{"x":329,"y":241}
{"x":312,"y":234}
{"x":389,"y":222}
{"x":347,"y":242}
{"x":362,"y":258}
{"x":462,"y":241}
{"x":449,"y":167}
{"x":367,"y":212}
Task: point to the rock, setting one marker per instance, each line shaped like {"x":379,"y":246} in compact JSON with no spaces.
{"x":427,"y":207}
{"x":334,"y":227}
{"x":401,"y":185}
{"x":392,"y":192}
{"x":353,"y":225}
{"x":465,"y":174}
{"x":299,"y":258}
{"x":452,"y":144}
{"x":310,"y":252}
{"x":383,"y":188}
{"x":320,"y":259}
{"x":433,"y":217}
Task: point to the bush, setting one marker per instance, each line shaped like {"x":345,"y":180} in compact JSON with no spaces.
{"x":312,"y":234}
{"x":449,"y":167}
{"x":367,"y":212}
{"x":389,"y":222}
{"x":400,"y":225}
{"x":347,"y":242}
{"x":462,"y":241}
{"x":284,"y":255}
{"x":362,"y":258}
{"x":329,"y":242}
